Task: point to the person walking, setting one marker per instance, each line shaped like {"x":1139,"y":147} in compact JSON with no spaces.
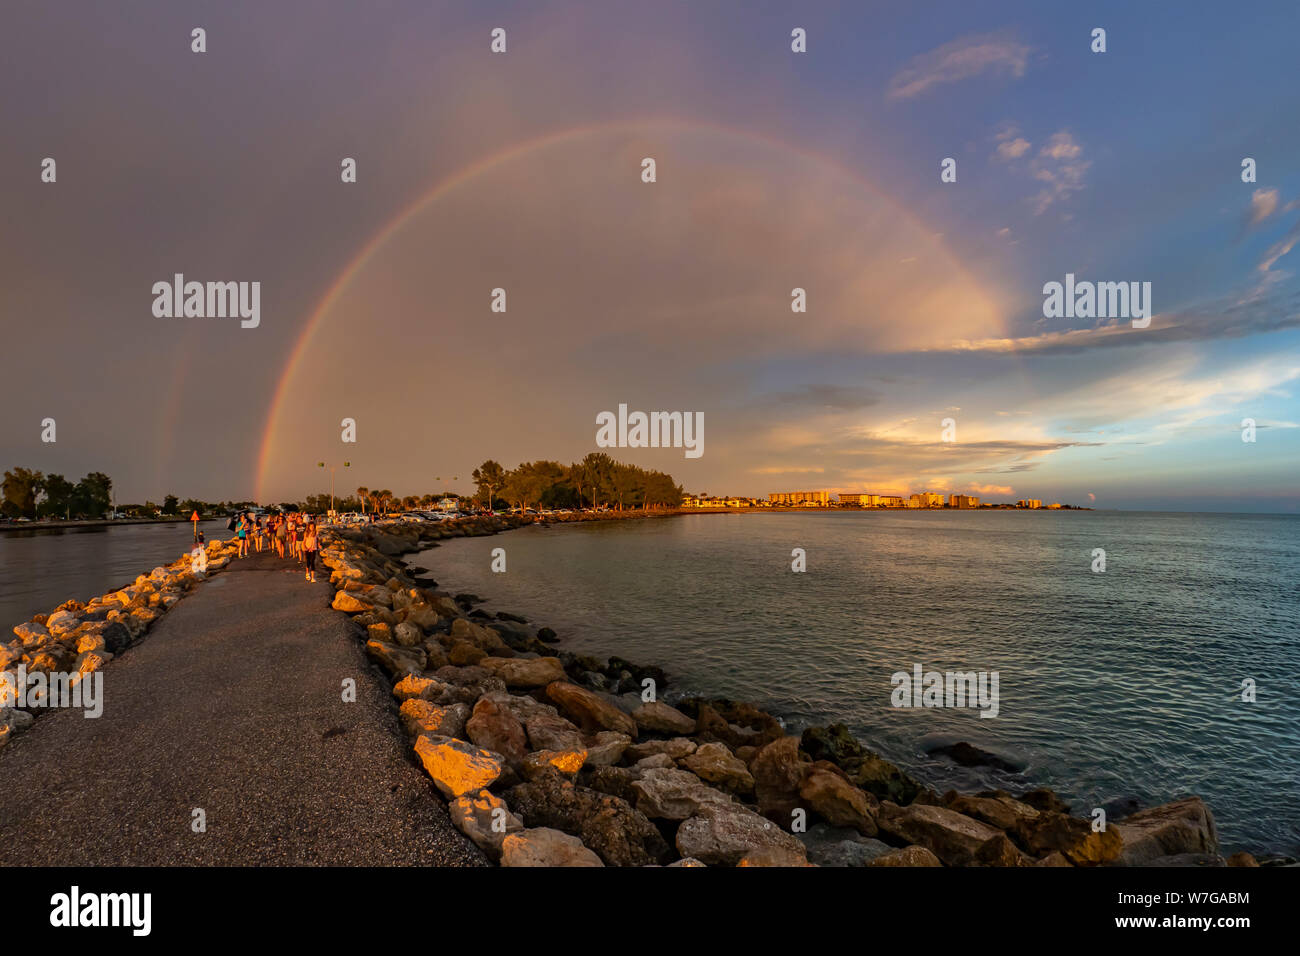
{"x":281,"y":534}
{"x":310,"y":545}
{"x":241,"y":529}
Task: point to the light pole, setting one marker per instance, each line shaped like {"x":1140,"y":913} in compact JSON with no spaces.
{"x":321,"y":464}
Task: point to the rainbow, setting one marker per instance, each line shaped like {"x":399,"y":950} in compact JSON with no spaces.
{"x":486,"y":164}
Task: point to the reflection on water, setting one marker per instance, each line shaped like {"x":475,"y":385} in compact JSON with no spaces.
{"x":1119,"y":684}
{"x":40,"y":569}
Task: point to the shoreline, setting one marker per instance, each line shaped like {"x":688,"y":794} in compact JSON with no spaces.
{"x":33,"y":526}
{"x":700,"y":772}
{"x":587,"y":765}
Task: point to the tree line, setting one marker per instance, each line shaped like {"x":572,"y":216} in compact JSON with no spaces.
{"x":31,"y":494}
{"x":597,"y":481}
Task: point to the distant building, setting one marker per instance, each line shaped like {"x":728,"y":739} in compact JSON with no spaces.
{"x":1029,"y":503}
{"x":963,"y":501}
{"x":708,"y":501}
{"x":889,"y":501}
{"x":861,"y":501}
{"x":925,"y":499}
{"x":810,"y":498}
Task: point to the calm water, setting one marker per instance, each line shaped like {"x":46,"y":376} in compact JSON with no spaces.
{"x":39,"y":570}
{"x":1112,"y":685}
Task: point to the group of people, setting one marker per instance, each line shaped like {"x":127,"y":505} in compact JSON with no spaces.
{"x":293,"y":535}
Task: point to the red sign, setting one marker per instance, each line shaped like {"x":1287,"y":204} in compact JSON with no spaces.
{"x":195,"y":516}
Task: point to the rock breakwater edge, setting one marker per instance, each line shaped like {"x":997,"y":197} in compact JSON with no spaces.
{"x":549,"y":758}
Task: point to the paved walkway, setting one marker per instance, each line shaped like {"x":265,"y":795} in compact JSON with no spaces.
{"x":231,"y":703}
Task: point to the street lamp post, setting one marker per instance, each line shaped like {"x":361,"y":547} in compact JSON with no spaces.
{"x":321,"y":464}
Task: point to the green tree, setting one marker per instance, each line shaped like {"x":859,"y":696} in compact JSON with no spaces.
{"x":490,"y":476}
{"x":20,"y":490}
{"x":171,"y":504}
{"x":58,"y":497}
{"x":93,"y":495}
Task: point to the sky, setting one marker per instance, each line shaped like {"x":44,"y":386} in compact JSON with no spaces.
{"x":775,"y":170}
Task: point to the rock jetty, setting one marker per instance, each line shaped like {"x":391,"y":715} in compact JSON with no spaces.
{"x":77,"y":639}
{"x":549,"y":758}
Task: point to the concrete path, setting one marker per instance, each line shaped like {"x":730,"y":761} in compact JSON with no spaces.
{"x":232,"y":703}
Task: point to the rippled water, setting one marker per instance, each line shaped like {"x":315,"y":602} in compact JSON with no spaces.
{"x":1122,"y":684}
{"x":39,"y":570}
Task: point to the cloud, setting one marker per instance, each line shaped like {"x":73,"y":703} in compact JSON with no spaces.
{"x":1263,"y":203}
{"x":1012,"y":149}
{"x":1060,"y":166}
{"x":958,"y":60}
{"x":1280,"y":248}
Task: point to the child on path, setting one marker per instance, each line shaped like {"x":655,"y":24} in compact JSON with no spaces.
{"x":310,"y":545}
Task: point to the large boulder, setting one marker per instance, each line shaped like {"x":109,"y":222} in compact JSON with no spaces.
{"x":456,"y":767}
{"x":32,"y":634}
{"x":407,"y":634}
{"x":540,"y":762}
{"x":999,"y":809}
{"x":1051,"y":832}
{"x":606,"y":748}
{"x":589,"y":710}
{"x":774,"y":856}
{"x":484,"y":638}
{"x":397,"y":661}
{"x":349,"y":603}
{"x":422,"y":615}
{"x":1184,"y":826}
{"x":521,"y":672}
{"x":542,"y":846}
{"x":863,"y":767}
{"x":656,"y":717}
{"x":778,"y":772}
{"x":725,"y":833}
{"x":953,"y":837}
{"x":837,"y":801}
{"x":672,"y":794}
{"x":715,"y":763}
{"x":62,"y":622}
{"x":907,"y":856}
{"x":415,"y":686}
{"x":675,"y":749}
{"x":621,"y":835}
{"x":840,"y":846}
{"x":425,"y":717}
{"x":485,"y":819}
{"x":495,"y":728}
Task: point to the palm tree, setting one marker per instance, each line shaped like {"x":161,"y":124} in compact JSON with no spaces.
{"x":363,"y":493}
{"x":489,"y":475}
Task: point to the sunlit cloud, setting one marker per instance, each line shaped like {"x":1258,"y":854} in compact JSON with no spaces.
{"x":959,"y":60}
